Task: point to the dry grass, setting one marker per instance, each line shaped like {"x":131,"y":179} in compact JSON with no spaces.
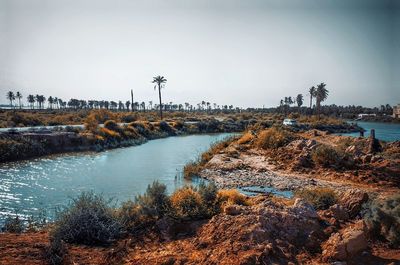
{"x":246,"y":138}
{"x":231,"y":196}
{"x":187,"y":203}
{"x":320,"y":198}
{"x":273,"y":138}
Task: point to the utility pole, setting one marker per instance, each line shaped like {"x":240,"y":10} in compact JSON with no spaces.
{"x":132,"y":99}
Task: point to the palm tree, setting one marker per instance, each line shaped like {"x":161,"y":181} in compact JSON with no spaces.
{"x":50,"y":100}
{"x":127,"y":104}
{"x":18,"y":95}
{"x":312,"y":94}
{"x":11,"y":97}
{"x":159,"y":80}
{"x":321,"y":94}
{"x":299,"y":100}
{"x":150,"y":104}
{"x":31,"y":100}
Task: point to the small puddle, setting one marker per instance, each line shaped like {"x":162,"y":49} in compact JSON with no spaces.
{"x":256,"y":190}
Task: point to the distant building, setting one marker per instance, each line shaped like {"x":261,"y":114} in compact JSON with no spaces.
{"x":396,"y":111}
{"x":363,"y":115}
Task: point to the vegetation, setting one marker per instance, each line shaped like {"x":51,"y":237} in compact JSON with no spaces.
{"x":383,"y":219}
{"x":160,"y":81}
{"x":89,"y":220}
{"x":273,"y":138}
{"x":13,"y":224}
{"x":327,"y":156}
{"x":319,"y":198}
{"x":192,"y":169}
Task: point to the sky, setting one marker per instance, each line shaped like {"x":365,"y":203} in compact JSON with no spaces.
{"x":248,"y":53}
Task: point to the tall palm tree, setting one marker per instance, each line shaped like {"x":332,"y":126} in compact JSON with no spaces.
{"x":31,"y":100}
{"x":51,"y":101}
{"x":159,"y":81}
{"x":321,"y":94}
{"x":299,"y":100}
{"x":11,"y":97}
{"x":312,"y":94}
{"x":18,"y":95}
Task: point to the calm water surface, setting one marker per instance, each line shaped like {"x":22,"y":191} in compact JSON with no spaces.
{"x":383,"y":131}
{"x":42,"y":184}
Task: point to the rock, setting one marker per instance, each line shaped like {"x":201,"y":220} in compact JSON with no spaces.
{"x":233,"y":209}
{"x":352,"y":201}
{"x":338,"y":212}
{"x":366,"y":158}
{"x":304,"y":209}
{"x":345,"y":244}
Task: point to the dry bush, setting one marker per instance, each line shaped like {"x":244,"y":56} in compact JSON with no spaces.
{"x":91,"y":124}
{"x":56,"y":252}
{"x":186,"y":203}
{"x":246,"y":138}
{"x":192,"y":169}
{"x":273,"y":138}
{"x":13,"y":225}
{"x":231,"y":196}
{"x":89,"y":220}
{"x":319,"y":198}
{"x":109,"y":134}
{"x":112,"y":125}
{"x":383,"y":219}
{"x":327,"y":156}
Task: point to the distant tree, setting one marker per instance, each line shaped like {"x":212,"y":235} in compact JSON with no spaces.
{"x":159,"y":81}
{"x":11,"y":97}
{"x":143,"y":106}
{"x":127,"y":104}
{"x":18,"y":95}
{"x":299,"y":100}
{"x":150,"y":104}
{"x":321,"y":94}
{"x":312,"y":91}
{"x":31,"y":100}
{"x":50,"y":100}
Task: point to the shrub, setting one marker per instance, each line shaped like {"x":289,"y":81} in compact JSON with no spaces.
{"x":273,"y":138}
{"x":88,"y":220}
{"x":146,"y":208}
{"x":186,"y":203}
{"x":327,"y":156}
{"x":383,"y":219}
{"x":191,"y":169}
{"x":13,"y":225}
{"x":231,"y":196}
{"x":209,"y":195}
{"x":246,"y":138}
{"x":319,"y":198}
{"x":91,"y":124}
{"x":57,"y":252}
{"x":107,"y":133}
{"x":112,"y":125}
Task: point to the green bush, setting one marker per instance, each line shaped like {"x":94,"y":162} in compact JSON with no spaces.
{"x":209,"y":197}
{"x":87,"y":220}
{"x":56,"y":252}
{"x":319,"y":198}
{"x":383,"y":219}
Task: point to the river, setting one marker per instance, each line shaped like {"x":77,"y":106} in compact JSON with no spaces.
{"x":40,"y":185}
{"x":383,"y":131}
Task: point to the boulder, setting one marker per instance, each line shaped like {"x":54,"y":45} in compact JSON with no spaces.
{"x":304,"y":209}
{"x":352,"y":201}
{"x":345,"y":244}
{"x":338,"y":212}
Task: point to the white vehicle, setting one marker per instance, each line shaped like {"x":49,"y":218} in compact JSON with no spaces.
{"x":289,"y":122}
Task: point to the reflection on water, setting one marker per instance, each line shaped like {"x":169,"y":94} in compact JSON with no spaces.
{"x":31,"y":186}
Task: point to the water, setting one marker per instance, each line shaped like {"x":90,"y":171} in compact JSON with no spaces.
{"x":42,"y":184}
{"x":383,"y":131}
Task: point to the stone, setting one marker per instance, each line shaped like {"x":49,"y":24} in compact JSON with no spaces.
{"x":345,"y":244}
{"x":304,"y":209}
{"x":338,"y":212}
{"x":352,"y":201}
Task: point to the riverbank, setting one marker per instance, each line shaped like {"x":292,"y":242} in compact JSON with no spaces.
{"x":331,"y":218}
{"x":17,"y":145}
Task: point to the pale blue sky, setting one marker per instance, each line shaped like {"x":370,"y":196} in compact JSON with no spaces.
{"x":246,"y":53}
